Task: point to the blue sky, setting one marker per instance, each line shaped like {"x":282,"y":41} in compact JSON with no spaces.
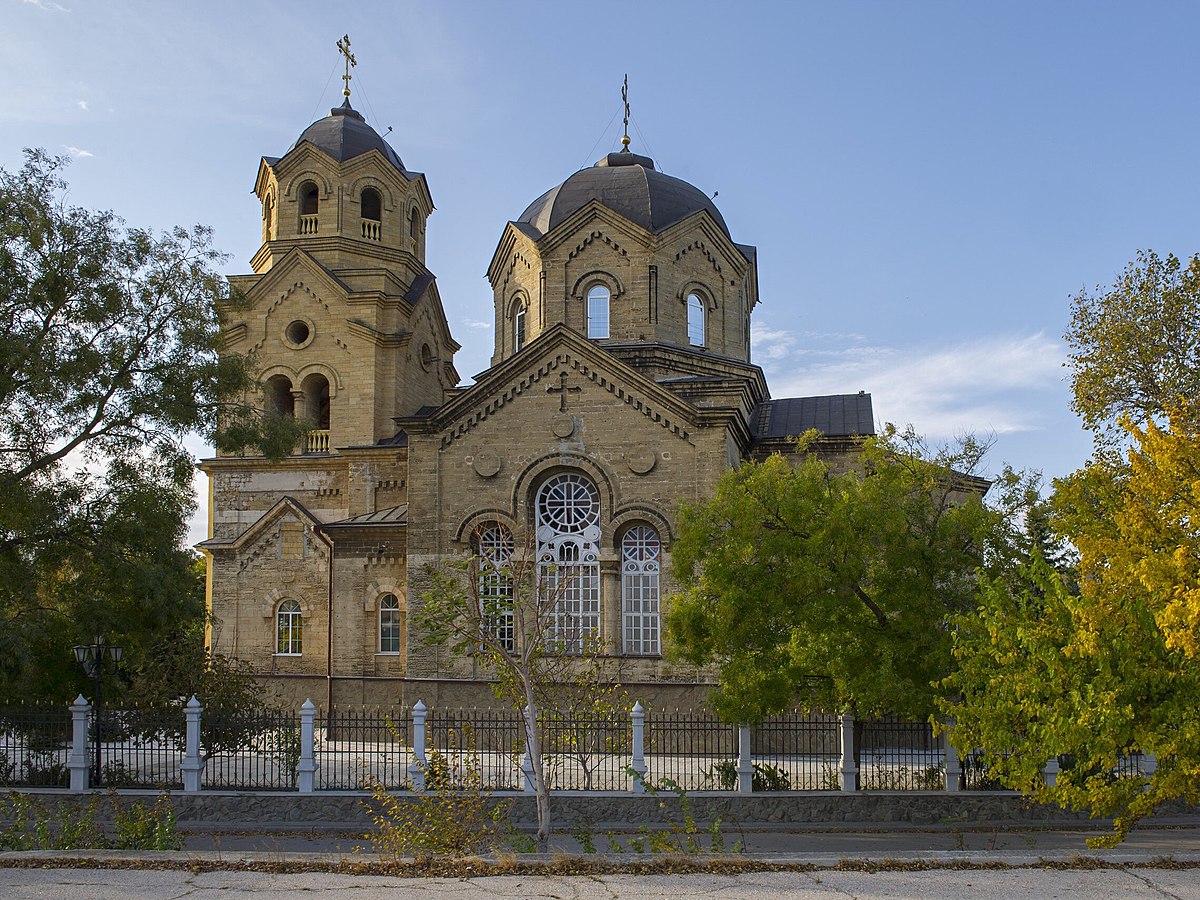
{"x":927,"y":183}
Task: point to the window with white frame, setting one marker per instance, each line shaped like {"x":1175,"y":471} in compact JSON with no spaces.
{"x":568,"y":535}
{"x":597,"y":311}
{"x":519,"y":326}
{"x":494,"y":547}
{"x":389,"y":624}
{"x":695,"y":320}
{"x":641,"y":559}
{"x":289,"y":629}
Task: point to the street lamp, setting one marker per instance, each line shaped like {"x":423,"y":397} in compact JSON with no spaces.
{"x":98,"y":659}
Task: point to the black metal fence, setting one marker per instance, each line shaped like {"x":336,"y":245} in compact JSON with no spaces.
{"x":259,"y":751}
{"x":587,"y":751}
{"x":360,"y":748}
{"x":900,"y":756}
{"x":35,"y":741}
{"x":475,"y":747}
{"x":795,"y":752}
{"x":691,"y":750}
{"x":140,"y":747}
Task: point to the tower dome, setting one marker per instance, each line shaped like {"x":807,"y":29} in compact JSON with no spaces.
{"x":345,"y":134}
{"x":627,"y":183}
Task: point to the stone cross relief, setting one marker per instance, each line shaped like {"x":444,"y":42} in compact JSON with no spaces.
{"x":562,"y":390}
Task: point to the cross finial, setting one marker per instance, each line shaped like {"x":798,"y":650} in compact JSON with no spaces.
{"x":625,"y":100}
{"x":344,"y":48}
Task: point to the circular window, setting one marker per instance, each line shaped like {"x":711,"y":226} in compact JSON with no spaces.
{"x":426,"y":356}
{"x":569,"y":503}
{"x":298,"y":333}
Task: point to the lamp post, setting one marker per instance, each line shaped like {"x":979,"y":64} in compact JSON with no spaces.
{"x":98,"y":659}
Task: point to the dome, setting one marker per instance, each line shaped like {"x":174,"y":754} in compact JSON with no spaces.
{"x":626,"y":183}
{"x":345,"y":134}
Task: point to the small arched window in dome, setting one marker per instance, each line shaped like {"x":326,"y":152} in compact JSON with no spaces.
{"x":371,"y":210}
{"x":309,"y":207}
{"x":695,"y":320}
{"x":414,"y":225}
{"x":597,"y":311}
{"x":519,"y":326}
{"x":268,"y":213}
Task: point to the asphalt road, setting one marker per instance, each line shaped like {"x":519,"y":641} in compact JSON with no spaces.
{"x":1128,"y":884}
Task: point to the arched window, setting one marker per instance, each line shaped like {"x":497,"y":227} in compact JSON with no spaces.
{"x":316,"y":399}
{"x":289,"y":629}
{"x":279,"y":395}
{"x":414,"y":225}
{"x":370,"y":210}
{"x":568,"y":535}
{"x":389,"y":624}
{"x":519,"y":326}
{"x":494,"y":547}
{"x":695,"y":320}
{"x":641,"y":559}
{"x":309,"y":205}
{"x":597,"y":311}
{"x":268,"y":233}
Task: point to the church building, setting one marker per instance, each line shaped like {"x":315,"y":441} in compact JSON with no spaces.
{"x":621,"y":385}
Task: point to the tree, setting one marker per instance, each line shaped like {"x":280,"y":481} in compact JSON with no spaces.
{"x":1103,"y":669}
{"x":834,"y":590}
{"x":108,"y":359}
{"x":504,"y":607}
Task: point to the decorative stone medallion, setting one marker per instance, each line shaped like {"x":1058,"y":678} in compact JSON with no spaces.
{"x":486,"y":463}
{"x":641,"y":460}
{"x":562,"y":425}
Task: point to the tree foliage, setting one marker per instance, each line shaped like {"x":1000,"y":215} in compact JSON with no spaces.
{"x":108,"y":340}
{"x":1103,"y":668}
{"x":834,"y":589}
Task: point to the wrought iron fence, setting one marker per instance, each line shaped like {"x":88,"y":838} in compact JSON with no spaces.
{"x":140,"y":746}
{"x":900,"y":756}
{"x":35,"y":741}
{"x":475,"y":747}
{"x":690,"y":749}
{"x":358,"y":748}
{"x":257,"y":751}
{"x":794,"y":752}
{"x":587,"y":751}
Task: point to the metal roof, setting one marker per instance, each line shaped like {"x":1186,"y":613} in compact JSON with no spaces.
{"x":396,"y":515}
{"x":345,"y":134}
{"x":835,"y":415}
{"x":627,"y":184}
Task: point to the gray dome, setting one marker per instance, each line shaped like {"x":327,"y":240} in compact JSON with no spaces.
{"x":345,"y":134}
{"x":627,"y":184}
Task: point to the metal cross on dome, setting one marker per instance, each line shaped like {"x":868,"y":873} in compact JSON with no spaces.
{"x":625,"y":100}
{"x":344,"y":48}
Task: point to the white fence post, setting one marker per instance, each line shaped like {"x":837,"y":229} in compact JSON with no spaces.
{"x":78,"y":761}
{"x":307,"y":767}
{"x":848,"y":771}
{"x":1050,"y":771}
{"x":193,"y":765}
{"x":529,"y":784}
{"x":637,"y":717}
{"x":416,"y":769}
{"x":953,"y":763}
{"x":745,"y":767}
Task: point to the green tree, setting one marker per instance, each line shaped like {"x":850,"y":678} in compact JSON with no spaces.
{"x":108,"y":360}
{"x":1100,"y":669}
{"x":835,"y":589}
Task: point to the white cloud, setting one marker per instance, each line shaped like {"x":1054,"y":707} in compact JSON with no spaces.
{"x":994,"y":385}
{"x":83,"y":104}
{"x":77,"y":153}
{"x":477,"y":323}
{"x":47,"y":5}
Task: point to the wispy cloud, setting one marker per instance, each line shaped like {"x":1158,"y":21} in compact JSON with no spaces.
{"x":83,"y":104}
{"x":76,"y":152}
{"x":477,"y":323}
{"x":994,"y":385}
{"x":47,"y":5}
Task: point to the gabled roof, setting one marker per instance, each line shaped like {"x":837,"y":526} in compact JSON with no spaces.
{"x":835,"y":415}
{"x":396,"y":515}
{"x":283,"y":505}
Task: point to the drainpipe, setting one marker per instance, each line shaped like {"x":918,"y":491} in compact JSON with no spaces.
{"x":329,"y":623}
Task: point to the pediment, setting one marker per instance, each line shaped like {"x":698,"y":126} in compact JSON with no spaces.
{"x":540,"y":368}
{"x":285,"y":508}
{"x":297,"y":266}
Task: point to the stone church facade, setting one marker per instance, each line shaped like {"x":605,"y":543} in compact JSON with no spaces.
{"x":621,"y":385}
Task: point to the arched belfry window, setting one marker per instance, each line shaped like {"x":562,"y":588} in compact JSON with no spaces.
{"x":268,"y":231}
{"x":370,"y":206}
{"x":568,"y":537}
{"x":309,"y":207}
{"x":598,"y":297}
{"x":414,"y":225}
{"x":279,"y":395}
{"x":494,"y":548}
{"x":389,"y":624}
{"x":695,"y":320}
{"x":519,"y":326}
{"x":641,"y":560}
